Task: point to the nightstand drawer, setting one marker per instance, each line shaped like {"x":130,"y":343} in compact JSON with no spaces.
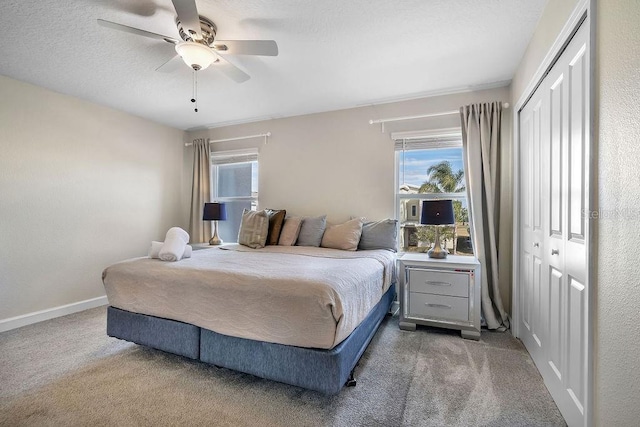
{"x":437,"y":306}
{"x":439,"y":282}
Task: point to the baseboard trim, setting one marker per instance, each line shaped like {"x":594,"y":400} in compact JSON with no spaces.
{"x":50,"y":313}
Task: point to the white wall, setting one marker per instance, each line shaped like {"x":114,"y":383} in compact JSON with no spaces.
{"x":336,"y":163}
{"x":81,"y":186}
{"x":618,"y":293}
{"x":617,"y":90}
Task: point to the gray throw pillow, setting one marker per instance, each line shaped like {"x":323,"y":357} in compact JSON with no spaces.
{"x":254,"y":229}
{"x":379,"y":235}
{"x":311,"y":231}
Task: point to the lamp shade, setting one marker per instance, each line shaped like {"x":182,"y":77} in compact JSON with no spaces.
{"x":214,"y":212}
{"x":196,"y":55}
{"x":437,"y":212}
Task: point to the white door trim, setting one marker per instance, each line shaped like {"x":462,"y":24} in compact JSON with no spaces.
{"x":584,"y":10}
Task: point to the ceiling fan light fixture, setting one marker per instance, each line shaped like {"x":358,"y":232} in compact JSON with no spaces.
{"x":196,"y":55}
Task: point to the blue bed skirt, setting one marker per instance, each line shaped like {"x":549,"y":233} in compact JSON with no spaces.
{"x":325,"y":371}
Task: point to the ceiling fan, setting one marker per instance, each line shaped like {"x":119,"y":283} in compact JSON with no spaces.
{"x":198,"y":47}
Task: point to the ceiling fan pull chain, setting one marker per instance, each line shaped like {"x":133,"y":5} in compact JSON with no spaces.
{"x":194,"y":99}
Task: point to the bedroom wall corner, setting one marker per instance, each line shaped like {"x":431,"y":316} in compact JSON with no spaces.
{"x":81,"y":186}
{"x":554,"y":17}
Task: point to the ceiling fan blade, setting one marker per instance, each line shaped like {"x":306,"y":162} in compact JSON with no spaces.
{"x":247,"y":47}
{"x":230,"y":70}
{"x":188,"y":16}
{"x":171,"y":65}
{"x":127,"y":29}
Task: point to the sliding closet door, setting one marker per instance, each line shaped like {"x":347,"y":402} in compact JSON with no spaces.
{"x":554,"y":142}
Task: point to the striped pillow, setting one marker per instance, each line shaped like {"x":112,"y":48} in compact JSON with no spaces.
{"x":254,"y":229}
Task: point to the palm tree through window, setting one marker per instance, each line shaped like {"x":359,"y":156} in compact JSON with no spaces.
{"x":427,"y":174}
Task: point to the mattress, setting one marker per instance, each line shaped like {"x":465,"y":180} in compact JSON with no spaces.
{"x":292,"y":295}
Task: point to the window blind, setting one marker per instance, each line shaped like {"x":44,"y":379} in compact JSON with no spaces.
{"x":227,"y":157}
{"x":427,"y":139}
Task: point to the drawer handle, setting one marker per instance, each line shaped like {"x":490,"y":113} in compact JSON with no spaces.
{"x":430,"y":304}
{"x":428,"y":282}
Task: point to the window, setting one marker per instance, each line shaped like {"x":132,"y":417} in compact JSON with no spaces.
{"x":430,"y":166}
{"x":234,"y":181}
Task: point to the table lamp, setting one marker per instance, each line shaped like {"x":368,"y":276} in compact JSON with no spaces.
{"x":214,"y":212}
{"x":437,"y":213}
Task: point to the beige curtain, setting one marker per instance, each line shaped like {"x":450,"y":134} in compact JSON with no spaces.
{"x":199,"y":230}
{"x":481,"y":151}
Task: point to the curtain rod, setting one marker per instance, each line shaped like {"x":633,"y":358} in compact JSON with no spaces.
{"x":211,"y":141}
{"x":421,"y":116}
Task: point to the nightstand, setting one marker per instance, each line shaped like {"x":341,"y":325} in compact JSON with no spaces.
{"x":440,"y":292}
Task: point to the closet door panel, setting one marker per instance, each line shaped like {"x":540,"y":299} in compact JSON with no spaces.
{"x":526,"y":303}
{"x":536,"y":175}
{"x":556,"y":136}
{"x":575,"y":245}
{"x":577,"y":146}
{"x":556,"y":322}
{"x":576,"y":330}
{"x":533,"y":315}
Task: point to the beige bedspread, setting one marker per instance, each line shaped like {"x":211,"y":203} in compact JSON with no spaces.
{"x":301,"y":296}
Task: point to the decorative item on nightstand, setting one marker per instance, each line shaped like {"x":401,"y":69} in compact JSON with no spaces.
{"x":437,"y":213}
{"x":214,"y":212}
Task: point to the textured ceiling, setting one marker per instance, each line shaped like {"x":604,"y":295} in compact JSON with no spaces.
{"x":333,"y":53}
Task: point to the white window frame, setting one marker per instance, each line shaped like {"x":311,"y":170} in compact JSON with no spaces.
{"x":218,"y":158}
{"x":425,"y":140}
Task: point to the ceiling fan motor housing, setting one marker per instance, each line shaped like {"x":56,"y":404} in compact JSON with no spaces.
{"x":207,"y":27}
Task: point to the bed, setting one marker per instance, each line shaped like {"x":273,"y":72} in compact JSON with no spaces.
{"x":298,"y":315}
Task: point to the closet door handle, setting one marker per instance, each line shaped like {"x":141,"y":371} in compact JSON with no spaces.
{"x":429,"y":304}
{"x":555,"y":251}
{"x":536,"y":245}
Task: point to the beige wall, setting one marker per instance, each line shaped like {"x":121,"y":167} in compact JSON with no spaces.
{"x":81,"y":186}
{"x":336,"y":163}
{"x":617,"y":267}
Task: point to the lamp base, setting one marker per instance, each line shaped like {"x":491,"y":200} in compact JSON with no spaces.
{"x":215,"y":240}
{"x":437,"y":251}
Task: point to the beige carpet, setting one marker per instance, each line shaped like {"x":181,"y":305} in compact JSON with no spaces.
{"x":67,"y":372}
